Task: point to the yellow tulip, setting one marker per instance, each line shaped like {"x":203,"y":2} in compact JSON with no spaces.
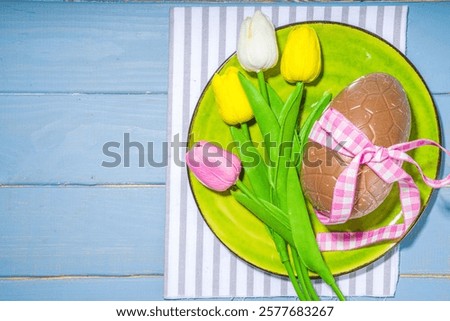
{"x":234,"y":107}
{"x":301,"y":59}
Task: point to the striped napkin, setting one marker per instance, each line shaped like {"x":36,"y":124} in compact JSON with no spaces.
{"x":197,"y":264}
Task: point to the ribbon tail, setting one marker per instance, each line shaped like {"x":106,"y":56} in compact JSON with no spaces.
{"x":342,"y":241}
{"x":410,"y":200}
{"x":398,"y":152}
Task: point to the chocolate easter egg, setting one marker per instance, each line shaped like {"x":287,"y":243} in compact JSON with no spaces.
{"x":378,"y":106}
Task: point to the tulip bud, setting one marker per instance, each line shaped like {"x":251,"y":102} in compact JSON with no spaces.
{"x":301,"y":60}
{"x":234,"y":107}
{"x":214,"y":167}
{"x":257,"y":45}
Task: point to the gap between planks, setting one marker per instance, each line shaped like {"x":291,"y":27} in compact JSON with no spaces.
{"x":160,"y":275}
{"x":425,"y":276}
{"x":75,"y":185}
{"x":125,"y":93}
{"x":87,"y":93}
{"x":80,"y":277}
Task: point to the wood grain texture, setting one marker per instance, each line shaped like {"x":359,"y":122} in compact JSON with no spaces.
{"x":77,"y":75}
{"x":48,"y":231}
{"x":59,"y":139}
{"x":120,"y":47}
{"x":428,"y":42}
{"x":151,"y":289}
{"x":83,"y":47}
{"x":419,"y":289}
{"x":84,"y":289}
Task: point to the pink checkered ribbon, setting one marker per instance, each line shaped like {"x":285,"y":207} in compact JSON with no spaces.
{"x":386,"y":162}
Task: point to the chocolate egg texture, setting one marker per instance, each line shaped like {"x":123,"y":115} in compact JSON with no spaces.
{"x":377,"y":105}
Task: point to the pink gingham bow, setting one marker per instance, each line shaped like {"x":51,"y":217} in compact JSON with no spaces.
{"x":333,"y":130}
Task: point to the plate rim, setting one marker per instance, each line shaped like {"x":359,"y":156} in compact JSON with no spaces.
{"x":425,"y":204}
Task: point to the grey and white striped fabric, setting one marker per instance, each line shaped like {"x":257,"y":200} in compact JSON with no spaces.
{"x":197,"y":264}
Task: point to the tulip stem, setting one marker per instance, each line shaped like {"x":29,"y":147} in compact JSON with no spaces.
{"x":281,"y":246}
{"x":300,"y":274}
{"x":244,"y":127}
{"x":304,"y":276}
{"x":262,"y":86}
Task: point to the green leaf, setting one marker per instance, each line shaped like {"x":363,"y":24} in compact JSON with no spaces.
{"x":277,"y":105}
{"x":265,"y":118}
{"x":253,"y":163}
{"x":300,"y":139}
{"x":293,"y":101}
{"x":288,"y":121}
{"x":318,"y":109}
{"x":289,"y":116}
{"x":275,"y":101}
{"x":303,"y":234}
{"x":274,"y":218}
{"x":296,"y":156}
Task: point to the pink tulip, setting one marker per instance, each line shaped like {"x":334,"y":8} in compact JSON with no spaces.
{"x":214,"y":167}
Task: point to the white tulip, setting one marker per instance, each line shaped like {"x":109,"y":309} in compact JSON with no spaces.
{"x":257,"y":45}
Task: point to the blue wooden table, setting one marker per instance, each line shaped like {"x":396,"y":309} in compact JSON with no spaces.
{"x":74,"y":76}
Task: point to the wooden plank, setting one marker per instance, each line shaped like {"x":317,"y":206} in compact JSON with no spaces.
{"x":418,"y":289}
{"x":65,"y":138}
{"x":60,"y":139}
{"x":119,"y":47}
{"x":426,"y":250}
{"x":423,"y":289}
{"x":83,"y":289}
{"x":122,"y":48}
{"x":151,"y":289}
{"x":428,"y":43}
{"x":89,"y":47}
{"x":47,"y":231}
{"x":120,"y":231}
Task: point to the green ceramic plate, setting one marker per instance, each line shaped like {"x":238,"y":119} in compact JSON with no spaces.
{"x":348,"y":53}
